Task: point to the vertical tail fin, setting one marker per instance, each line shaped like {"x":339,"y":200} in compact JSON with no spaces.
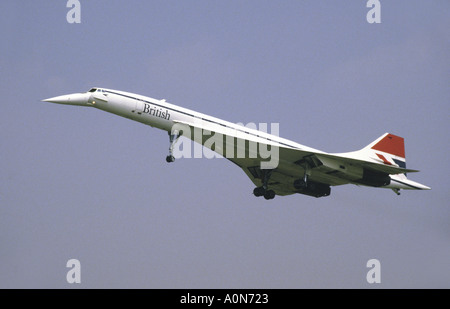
{"x":389,"y":149}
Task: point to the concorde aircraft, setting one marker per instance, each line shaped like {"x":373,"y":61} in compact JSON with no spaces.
{"x":275,"y":165}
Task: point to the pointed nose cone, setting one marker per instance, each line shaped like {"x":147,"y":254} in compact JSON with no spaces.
{"x":63,"y":99}
{"x":70,"y":99}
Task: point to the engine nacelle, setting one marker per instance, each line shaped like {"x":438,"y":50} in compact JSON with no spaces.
{"x":374,"y":179}
{"x":312,"y":188}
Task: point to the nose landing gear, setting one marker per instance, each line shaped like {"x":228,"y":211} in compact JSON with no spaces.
{"x":173,"y":136}
{"x":170,"y":159}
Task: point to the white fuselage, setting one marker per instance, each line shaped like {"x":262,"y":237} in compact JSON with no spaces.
{"x":163,"y":115}
{"x":359,"y":167}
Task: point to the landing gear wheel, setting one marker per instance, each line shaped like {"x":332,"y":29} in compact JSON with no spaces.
{"x":170,"y":159}
{"x":270,"y":194}
{"x":259,"y":191}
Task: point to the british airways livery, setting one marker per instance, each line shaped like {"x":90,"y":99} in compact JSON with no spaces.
{"x":275,"y":165}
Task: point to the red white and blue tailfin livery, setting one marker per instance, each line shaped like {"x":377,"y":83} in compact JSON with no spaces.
{"x":299,"y":169}
{"x":389,"y":149}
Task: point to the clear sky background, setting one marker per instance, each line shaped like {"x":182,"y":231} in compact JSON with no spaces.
{"x":81,"y":183}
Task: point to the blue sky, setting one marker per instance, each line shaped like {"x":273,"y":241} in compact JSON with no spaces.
{"x":80,"y":183}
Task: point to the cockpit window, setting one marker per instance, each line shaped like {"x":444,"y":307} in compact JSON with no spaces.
{"x":93,"y":90}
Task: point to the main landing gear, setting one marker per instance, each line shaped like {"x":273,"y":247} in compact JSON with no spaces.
{"x":260,"y":191}
{"x":263,"y":191}
{"x":174,"y":135}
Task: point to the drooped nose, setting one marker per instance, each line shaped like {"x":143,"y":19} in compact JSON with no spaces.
{"x":70,"y":99}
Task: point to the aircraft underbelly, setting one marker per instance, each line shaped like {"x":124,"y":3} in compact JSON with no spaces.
{"x":319,"y":174}
{"x":283,"y":177}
